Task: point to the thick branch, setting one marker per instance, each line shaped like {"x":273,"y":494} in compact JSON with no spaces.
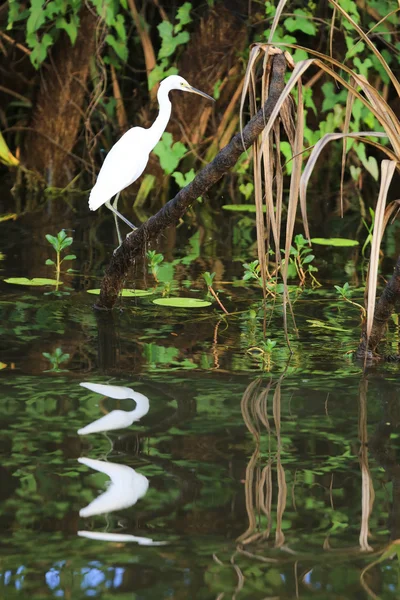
{"x":170,"y":214}
{"x":383,"y":311}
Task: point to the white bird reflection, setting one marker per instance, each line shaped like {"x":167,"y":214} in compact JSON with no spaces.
{"x":116,"y":419}
{"x":124,"y":490}
{"x":119,"y":537}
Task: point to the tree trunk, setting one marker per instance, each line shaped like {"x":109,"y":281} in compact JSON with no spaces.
{"x":58,"y":108}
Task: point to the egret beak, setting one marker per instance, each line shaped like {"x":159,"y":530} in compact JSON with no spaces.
{"x":189,"y":88}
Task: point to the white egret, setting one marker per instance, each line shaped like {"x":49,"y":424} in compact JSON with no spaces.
{"x":124,"y":490}
{"x":128,"y":158}
{"x":116,"y":419}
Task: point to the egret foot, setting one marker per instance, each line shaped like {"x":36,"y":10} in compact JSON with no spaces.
{"x":127,"y":235}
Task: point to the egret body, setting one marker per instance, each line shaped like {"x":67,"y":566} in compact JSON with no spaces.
{"x":128,"y":158}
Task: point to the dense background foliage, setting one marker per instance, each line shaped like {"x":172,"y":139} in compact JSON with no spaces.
{"x":76,"y":75}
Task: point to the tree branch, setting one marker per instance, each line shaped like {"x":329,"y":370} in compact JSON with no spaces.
{"x":124,"y":257}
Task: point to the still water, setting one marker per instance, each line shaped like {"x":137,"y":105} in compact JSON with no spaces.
{"x":158,"y":454}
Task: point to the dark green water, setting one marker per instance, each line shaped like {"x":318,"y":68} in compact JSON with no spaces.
{"x":274,"y":479}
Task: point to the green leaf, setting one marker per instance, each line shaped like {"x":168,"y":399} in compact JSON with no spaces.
{"x":67,"y":242}
{"x":169,"y":155}
{"x":338,"y":242}
{"x":39,"y":51}
{"x":242,"y":207}
{"x":301,"y":23}
{"x":118,"y":46}
{"x":69,"y":257}
{"x":181,"y":302}
{"x":159,"y":72}
{"x":34,"y":281}
{"x":183,"y":179}
{"x":71,"y":27}
{"x":127,"y":293}
{"x":308,"y":259}
{"x":169,"y":42}
{"x":49,"y":262}
{"x":53,"y":241}
{"x":183,"y":16}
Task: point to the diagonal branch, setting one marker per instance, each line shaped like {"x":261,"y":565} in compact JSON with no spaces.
{"x":124,"y":257}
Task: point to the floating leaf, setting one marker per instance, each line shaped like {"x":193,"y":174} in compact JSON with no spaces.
{"x":34,"y":281}
{"x":181,"y":302}
{"x":127,"y":293}
{"x":242,"y":207}
{"x":342,"y":242}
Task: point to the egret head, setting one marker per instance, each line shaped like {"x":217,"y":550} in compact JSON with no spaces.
{"x":176,"y":82}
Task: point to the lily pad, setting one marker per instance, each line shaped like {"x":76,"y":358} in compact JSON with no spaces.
{"x":34,"y":281}
{"x":181,"y":302}
{"x":342,"y":242}
{"x":242,"y":207}
{"x":127,"y":293}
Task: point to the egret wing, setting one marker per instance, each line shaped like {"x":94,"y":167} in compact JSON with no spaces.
{"x":125,"y":162}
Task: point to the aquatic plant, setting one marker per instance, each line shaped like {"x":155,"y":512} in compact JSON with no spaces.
{"x":59,"y":243}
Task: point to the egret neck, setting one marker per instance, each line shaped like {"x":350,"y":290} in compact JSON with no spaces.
{"x":159,"y":125}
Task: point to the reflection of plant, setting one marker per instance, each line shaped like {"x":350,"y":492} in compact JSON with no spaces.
{"x":56,"y":359}
{"x":345,"y":292}
{"x":59,"y":244}
{"x":263,"y":352}
{"x":155,"y":261}
{"x":208,"y":278}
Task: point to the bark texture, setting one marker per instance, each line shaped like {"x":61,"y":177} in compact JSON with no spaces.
{"x":124,"y":257}
{"x":383,"y":311}
{"x":58,"y":113}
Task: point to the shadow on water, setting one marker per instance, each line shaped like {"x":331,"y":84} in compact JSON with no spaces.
{"x":186,"y":465}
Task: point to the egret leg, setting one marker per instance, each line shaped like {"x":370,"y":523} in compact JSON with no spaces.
{"x":115,"y":205}
{"x":118,"y":214}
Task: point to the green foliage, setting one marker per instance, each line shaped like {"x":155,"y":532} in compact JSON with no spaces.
{"x":182,"y":302}
{"x":155,"y":261}
{"x":172,"y":38}
{"x":208,"y":278}
{"x":336,"y":242}
{"x":300,"y":259}
{"x":183,"y":179}
{"x":345,"y":293}
{"x":44,"y":21}
{"x":56,"y":359}
{"x":169,"y":154}
{"x":36,"y":281}
{"x":59,"y":243}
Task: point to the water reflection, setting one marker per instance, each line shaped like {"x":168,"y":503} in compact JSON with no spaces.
{"x":105,"y":536}
{"x":124,"y":490}
{"x":116,"y":419}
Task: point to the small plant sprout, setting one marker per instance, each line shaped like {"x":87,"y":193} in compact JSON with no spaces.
{"x":345,"y":293}
{"x":252,"y":271}
{"x":300,"y":258}
{"x":208,"y":278}
{"x":59,"y":244}
{"x":56,"y":359}
{"x":155,"y":261}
